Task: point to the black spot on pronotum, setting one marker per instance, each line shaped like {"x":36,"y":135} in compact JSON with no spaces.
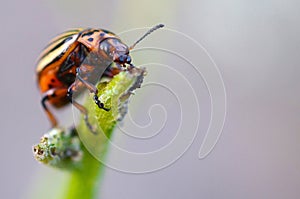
{"x":89,"y":33}
{"x":90,"y":39}
{"x":52,"y":80}
{"x":50,"y":86}
{"x":57,"y":46}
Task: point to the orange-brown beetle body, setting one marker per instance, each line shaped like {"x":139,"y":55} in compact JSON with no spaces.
{"x":76,"y":59}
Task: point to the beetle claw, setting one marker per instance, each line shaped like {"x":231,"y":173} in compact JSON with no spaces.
{"x":100,"y":104}
{"x":106,"y":109}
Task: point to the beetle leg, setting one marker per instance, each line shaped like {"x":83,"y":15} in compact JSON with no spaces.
{"x":92,"y":88}
{"x":81,"y":108}
{"x":46,"y":96}
{"x":110,"y":72}
{"x":83,"y":111}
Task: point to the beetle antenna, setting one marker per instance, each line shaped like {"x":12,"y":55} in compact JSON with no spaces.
{"x":146,"y":34}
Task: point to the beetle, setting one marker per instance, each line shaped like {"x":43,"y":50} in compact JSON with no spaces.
{"x":74,"y":60}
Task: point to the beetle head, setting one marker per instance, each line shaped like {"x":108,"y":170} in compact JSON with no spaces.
{"x":116,"y":50}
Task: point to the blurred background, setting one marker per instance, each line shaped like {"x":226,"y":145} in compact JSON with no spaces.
{"x":255,"y":45}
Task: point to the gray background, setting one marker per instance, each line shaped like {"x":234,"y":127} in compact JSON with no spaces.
{"x":256,"y":47}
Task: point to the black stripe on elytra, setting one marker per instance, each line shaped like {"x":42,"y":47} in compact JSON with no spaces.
{"x":64,"y":35}
{"x":54,"y":41}
{"x":55,"y":59}
{"x":57,"y":46}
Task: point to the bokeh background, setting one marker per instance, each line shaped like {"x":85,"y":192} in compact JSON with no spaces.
{"x":256,"y":46}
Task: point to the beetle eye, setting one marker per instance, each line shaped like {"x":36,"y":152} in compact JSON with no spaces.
{"x":128,"y":60}
{"x":121,"y":58}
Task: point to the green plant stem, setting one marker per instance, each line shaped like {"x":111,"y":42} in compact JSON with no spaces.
{"x":65,"y":151}
{"x":84,"y":183}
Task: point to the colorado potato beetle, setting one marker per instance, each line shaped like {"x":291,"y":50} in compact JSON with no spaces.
{"x":70,"y":60}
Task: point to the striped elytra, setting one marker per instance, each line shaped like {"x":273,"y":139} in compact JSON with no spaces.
{"x":56,"y":47}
